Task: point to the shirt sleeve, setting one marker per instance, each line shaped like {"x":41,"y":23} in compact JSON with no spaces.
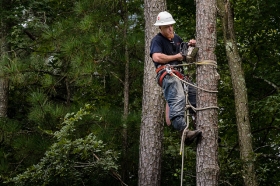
{"x":155,"y":47}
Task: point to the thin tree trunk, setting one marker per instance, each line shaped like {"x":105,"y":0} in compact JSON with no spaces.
{"x":207,"y":78}
{"x":240,"y":94}
{"x":4,"y":83}
{"x":126,"y":94}
{"x":152,"y":107}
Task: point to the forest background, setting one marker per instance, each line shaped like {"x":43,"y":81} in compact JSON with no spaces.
{"x":71,"y":92}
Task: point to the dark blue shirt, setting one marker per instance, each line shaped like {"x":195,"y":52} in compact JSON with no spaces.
{"x":161,"y":44}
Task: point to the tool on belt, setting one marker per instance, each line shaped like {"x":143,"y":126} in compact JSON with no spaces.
{"x":167,"y":69}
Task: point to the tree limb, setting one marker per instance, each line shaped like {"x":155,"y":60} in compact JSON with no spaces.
{"x":268,"y":82}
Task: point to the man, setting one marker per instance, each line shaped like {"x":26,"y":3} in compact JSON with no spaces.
{"x":165,"y":49}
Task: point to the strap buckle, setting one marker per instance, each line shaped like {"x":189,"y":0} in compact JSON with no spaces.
{"x":168,"y":69}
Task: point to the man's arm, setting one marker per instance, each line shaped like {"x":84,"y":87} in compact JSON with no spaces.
{"x":163,"y":58}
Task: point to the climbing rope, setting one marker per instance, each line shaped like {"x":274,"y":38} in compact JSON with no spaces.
{"x":204,"y":62}
{"x":188,"y":105}
{"x":182,"y":147}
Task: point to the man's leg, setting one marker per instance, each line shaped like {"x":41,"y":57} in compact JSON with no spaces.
{"x":192,"y":100}
{"x":175,"y":96}
{"x":192,"y":97}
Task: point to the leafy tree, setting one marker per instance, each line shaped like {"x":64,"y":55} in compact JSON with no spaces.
{"x":72,"y":160}
{"x":240,"y":92}
{"x":252,"y":28}
{"x":4,"y":49}
{"x":63,"y":60}
{"x":63,"y":54}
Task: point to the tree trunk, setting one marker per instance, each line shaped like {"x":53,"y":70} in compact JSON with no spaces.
{"x":207,"y":78}
{"x":152,"y":107}
{"x":126,"y":93}
{"x":3,"y":80}
{"x":4,"y":85}
{"x":240,"y":93}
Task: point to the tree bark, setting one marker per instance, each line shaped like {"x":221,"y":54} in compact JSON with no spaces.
{"x":126,"y":93}
{"x":207,"y":78}
{"x":240,"y":93}
{"x":152,"y":107}
{"x":4,"y":83}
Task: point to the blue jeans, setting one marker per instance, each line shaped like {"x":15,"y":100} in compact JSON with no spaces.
{"x":174,"y":94}
{"x":173,"y":91}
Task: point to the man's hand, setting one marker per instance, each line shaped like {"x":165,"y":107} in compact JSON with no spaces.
{"x":192,"y":42}
{"x":180,"y":57}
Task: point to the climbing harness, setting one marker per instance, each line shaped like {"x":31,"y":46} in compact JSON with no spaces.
{"x":163,"y":70}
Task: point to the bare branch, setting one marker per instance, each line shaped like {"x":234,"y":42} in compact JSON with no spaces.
{"x":268,"y":82}
{"x":116,"y":76}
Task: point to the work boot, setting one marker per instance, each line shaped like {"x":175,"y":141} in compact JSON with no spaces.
{"x":191,"y":135}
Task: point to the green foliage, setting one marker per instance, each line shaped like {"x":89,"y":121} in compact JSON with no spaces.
{"x":63,"y":54}
{"x":257,"y":41}
{"x":184,"y":14}
{"x":68,"y":160}
{"x":172,"y":160}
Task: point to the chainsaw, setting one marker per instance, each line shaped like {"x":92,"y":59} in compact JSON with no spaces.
{"x":189,"y":52}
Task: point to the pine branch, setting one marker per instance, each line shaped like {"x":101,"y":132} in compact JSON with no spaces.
{"x":29,"y":34}
{"x":266,"y":128}
{"x":116,"y":76}
{"x":268,"y":82}
{"x":271,"y":156}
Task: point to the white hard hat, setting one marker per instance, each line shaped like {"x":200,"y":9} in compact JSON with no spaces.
{"x":164,"y":18}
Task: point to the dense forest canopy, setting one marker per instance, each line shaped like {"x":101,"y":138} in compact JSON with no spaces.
{"x":64,"y":63}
